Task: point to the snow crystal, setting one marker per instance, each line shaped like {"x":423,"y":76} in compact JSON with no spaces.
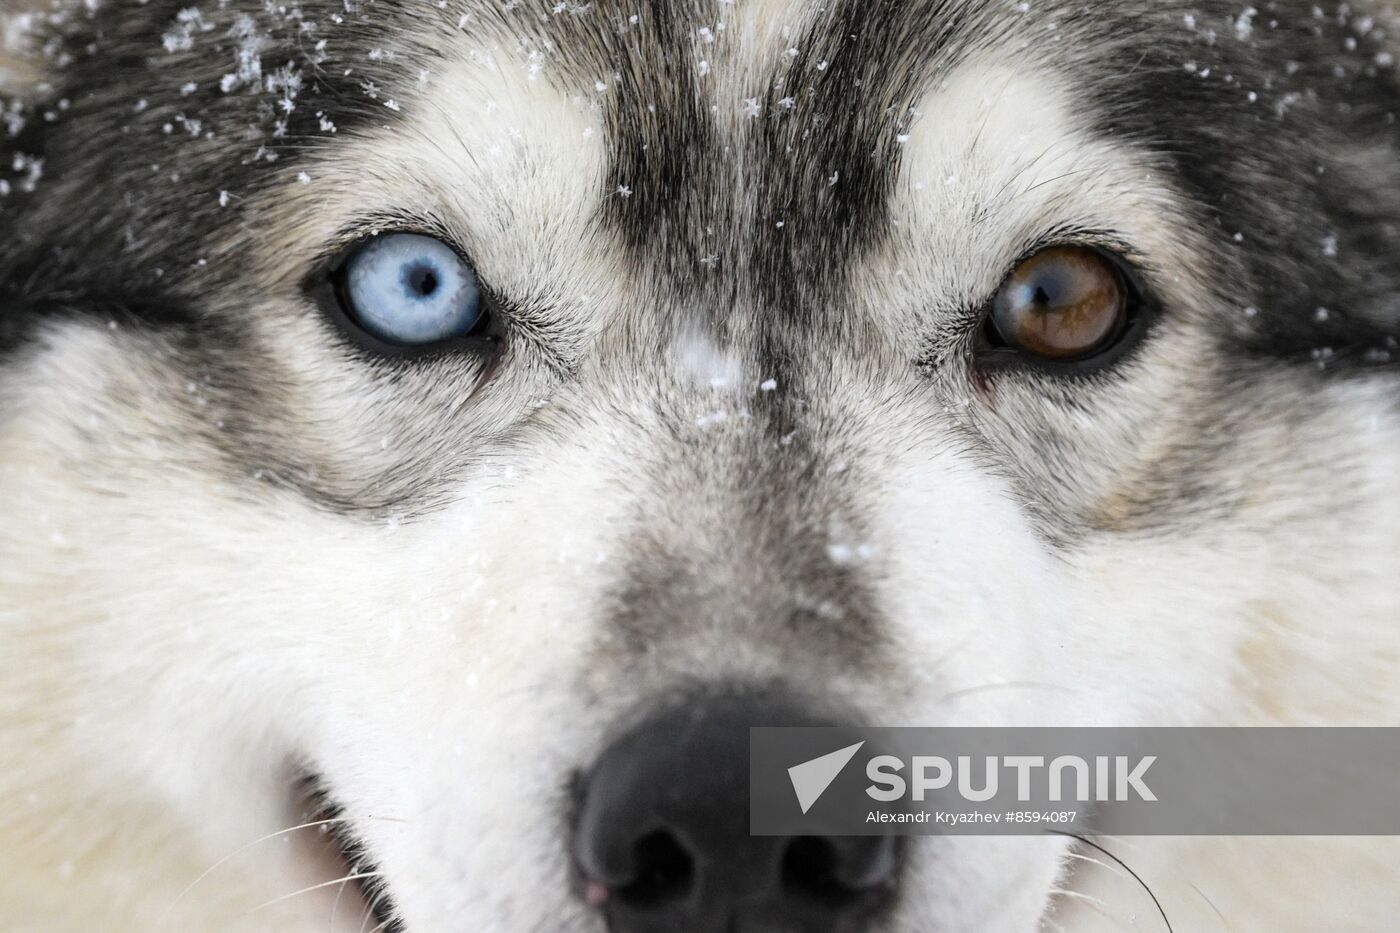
{"x":13,"y":117}
{"x":705,"y":364}
{"x":1329,"y":245}
{"x":1244,"y":23}
{"x":188,"y":124}
{"x":623,"y":191}
{"x":768,"y":385}
{"x":844,"y":554}
{"x":32,"y":167}
{"x":180,"y":36}
{"x":247,"y":54}
{"x":752,"y":108}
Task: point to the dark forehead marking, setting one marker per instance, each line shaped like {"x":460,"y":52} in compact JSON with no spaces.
{"x":662,"y":133}
{"x":851,"y":90}
{"x":757,"y":184}
{"x":1311,"y":162}
{"x":776,"y":168}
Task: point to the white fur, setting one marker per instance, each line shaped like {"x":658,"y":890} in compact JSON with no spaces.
{"x":177,"y":640}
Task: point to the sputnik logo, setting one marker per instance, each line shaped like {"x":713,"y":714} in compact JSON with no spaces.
{"x":811,"y":778}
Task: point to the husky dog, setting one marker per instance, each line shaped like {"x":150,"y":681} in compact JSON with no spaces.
{"x":421,"y":421}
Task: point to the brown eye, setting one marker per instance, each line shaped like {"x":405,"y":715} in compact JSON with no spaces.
{"x":1064,"y":303}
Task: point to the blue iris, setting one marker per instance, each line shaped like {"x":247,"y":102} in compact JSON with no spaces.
{"x":406,"y":288}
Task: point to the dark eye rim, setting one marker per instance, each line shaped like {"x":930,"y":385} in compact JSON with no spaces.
{"x":991,"y":355}
{"x":326,"y":289}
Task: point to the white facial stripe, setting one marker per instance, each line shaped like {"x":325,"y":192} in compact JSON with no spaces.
{"x":513,"y":168}
{"x":187,"y":635}
{"x":741,"y":55}
{"x":997,"y":156}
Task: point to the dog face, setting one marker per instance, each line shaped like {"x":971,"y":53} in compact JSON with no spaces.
{"x":745,"y":414}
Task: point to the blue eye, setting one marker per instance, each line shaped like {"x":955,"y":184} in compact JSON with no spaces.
{"x":408,"y":289}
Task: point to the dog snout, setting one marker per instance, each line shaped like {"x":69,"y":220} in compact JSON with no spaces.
{"x":662,"y":842}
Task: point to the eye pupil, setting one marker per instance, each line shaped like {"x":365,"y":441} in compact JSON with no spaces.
{"x":406,"y":289}
{"x":1065,"y":303}
{"x":422,"y":280}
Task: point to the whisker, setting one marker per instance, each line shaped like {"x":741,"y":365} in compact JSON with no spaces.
{"x":1010,"y":684}
{"x":256,"y":842}
{"x":1094,"y":861}
{"x":335,"y":907}
{"x":1124,"y":865}
{"x":236,"y":852}
{"x":316,"y":887}
{"x":1095,"y":904}
{"x":1224,"y":924}
{"x":1077,"y":896}
{"x":371,"y":909}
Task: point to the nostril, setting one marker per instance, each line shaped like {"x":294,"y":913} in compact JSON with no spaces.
{"x":809,"y":870}
{"x":665,"y":871}
{"x":835,"y":871}
{"x":661,"y":841}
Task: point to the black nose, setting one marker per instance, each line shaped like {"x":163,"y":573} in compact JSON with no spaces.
{"x":662,"y":840}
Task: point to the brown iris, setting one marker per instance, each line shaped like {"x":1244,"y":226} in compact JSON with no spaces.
{"x":1063,"y":303}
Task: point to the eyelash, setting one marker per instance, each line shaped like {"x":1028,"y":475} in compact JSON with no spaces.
{"x":964,"y":330}
{"x":1146,"y":309}
{"x":322,"y":286}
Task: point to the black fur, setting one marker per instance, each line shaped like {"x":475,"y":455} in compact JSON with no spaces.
{"x":1297,"y":188}
{"x":123,"y":205}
